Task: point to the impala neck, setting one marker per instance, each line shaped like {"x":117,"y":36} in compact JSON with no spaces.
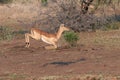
{"x":59,"y":33}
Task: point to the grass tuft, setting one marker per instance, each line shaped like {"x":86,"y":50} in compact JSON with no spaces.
{"x":71,"y":37}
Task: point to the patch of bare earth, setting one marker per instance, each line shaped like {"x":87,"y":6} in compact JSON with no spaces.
{"x":20,"y":63}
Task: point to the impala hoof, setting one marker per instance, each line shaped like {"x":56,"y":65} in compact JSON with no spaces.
{"x":27,"y":44}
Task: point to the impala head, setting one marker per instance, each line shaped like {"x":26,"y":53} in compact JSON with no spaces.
{"x":62,"y":27}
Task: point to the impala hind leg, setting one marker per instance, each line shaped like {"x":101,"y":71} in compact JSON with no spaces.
{"x":27,"y":39}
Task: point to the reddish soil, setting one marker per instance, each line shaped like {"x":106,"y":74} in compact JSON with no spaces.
{"x":37,"y":62}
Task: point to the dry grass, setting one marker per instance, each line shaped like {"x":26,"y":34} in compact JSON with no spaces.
{"x":13,"y":76}
{"x":106,"y":38}
{"x":79,"y":77}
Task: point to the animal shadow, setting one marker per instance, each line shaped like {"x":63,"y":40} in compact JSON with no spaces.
{"x":62,"y":63}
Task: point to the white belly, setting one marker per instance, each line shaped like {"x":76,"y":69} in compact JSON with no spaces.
{"x":46,"y":40}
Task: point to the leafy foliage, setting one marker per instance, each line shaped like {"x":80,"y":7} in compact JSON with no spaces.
{"x":71,"y":37}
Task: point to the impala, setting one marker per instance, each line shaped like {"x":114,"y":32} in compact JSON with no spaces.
{"x":48,"y":38}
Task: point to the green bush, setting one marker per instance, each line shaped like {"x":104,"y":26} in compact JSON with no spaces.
{"x":71,"y":37}
{"x":5,"y":1}
{"x":44,"y":2}
{"x":6,"y":33}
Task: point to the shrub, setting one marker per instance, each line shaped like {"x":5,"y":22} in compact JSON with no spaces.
{"x":5,"y":1}
{"x":71,"y":37}
{"x":70,"y":13}
{"x":6,"y":33}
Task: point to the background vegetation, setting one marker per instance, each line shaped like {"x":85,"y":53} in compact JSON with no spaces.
{"x":6,"y":33}
{"x":5,"y":1}
{"x":65,"y":11}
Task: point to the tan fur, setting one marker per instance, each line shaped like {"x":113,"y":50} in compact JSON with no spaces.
{"x":48,"y":38}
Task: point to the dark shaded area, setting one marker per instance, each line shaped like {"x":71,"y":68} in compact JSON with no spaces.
{"x":61,"y":63}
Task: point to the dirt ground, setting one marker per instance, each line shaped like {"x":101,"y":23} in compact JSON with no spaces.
{"x":19,"y":63}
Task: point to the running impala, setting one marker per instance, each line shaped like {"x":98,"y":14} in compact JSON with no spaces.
{"x":48,"y":38}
